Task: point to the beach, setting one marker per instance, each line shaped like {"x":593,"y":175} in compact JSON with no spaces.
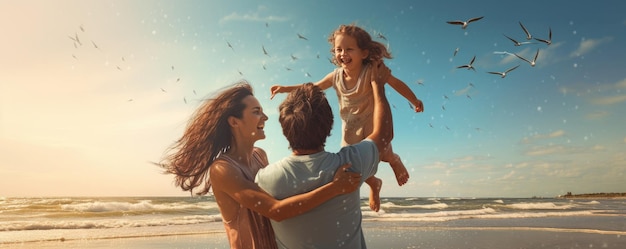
{"x":474,"y":233}
{"x":444,"y":223}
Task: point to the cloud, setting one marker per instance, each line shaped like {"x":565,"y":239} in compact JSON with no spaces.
{"x":588,"y":45}
{"x":555,"y":134}
{"x":610,"y":100}
{"x":251,"y":17}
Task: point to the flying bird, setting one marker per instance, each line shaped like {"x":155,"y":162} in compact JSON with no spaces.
{"x":302,"y":37}
{"x":381,"y":36}
{"x":515,"y":42}
{"x":75,"y":39}
{"x":528,"y":35}
{"x":469,"y":66}
{"x":455,"y":52}
{"x":293,"y":57}
{"x":533,"y":62}
{"x":265,"y":51}
{"x":503,"y":74}
{"x":465,"y":23}
{"x":549,"y":40}
{"x":230,"y":46}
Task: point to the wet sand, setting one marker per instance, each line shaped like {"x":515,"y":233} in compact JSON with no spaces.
{"x":389,"y":235}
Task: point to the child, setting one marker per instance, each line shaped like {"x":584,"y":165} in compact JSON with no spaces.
{"x":354,"y":52}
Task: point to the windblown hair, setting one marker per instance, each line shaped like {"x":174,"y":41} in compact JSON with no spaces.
{"x":377,"y":50}
{"x":206,"y":137}
{"x":306,"y":117}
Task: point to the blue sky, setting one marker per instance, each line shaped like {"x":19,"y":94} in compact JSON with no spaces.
{"x":85,"y":120}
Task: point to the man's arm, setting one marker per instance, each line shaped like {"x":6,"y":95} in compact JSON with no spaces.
{"x":383,"y":123}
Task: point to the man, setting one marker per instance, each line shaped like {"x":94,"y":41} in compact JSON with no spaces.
{"x":306,"y":119}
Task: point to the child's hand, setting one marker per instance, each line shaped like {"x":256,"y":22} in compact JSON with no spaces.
{"x":274,"y":90}
{"x":419,"y":106}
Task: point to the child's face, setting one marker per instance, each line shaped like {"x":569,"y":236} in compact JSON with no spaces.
{"x":348,"y":53}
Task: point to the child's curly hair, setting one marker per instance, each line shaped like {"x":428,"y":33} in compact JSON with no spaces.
{"x":377,"y":50}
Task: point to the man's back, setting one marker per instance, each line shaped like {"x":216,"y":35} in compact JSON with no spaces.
{"x":334,"y":224}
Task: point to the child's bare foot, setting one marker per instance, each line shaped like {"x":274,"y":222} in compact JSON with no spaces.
{"x":375,"y":186}
{"x":402,"y":175}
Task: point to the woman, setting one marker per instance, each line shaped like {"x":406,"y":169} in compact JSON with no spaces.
{"x":217,"y":151}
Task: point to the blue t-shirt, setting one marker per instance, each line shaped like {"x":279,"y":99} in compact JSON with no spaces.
{"x":337,"y":222}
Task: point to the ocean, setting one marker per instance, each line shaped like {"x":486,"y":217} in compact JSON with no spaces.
{"x":25,"y":221}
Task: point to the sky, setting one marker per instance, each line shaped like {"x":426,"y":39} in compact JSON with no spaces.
{"x":92,"y":91}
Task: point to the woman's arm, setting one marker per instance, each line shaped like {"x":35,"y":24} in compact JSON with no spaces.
{"x":231,"y":181}
{"x":406,"y":92}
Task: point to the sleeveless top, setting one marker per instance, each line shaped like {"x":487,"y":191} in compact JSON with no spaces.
{"x":249,"y":229}
{"x":356,"y":105}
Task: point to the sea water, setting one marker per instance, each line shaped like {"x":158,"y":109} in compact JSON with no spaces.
{"x":28,"y":220}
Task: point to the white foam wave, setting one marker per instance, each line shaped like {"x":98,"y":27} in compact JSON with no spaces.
{"x":425,"y":206}
{"x":144,"y":205}
{"x":108,"y":223}
{"x":485,"y":213}
{"x":539,"y":205}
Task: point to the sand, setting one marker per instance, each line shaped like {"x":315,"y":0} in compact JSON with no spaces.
{"x":389,"y":235}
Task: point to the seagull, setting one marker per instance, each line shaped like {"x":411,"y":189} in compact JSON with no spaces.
{"x":307,"y":75}
{"x":75,"y":39}
{"x":516,"y":42}
{"x":230,"y":46}
{"x":503,"y":74}
{"x":469,"y":66}
{"x":443,"y":107}
{"x":381,"y":36}
{"x":464,"y":24}
{"x":549,"y":40}
{"x":302,"y":37}
{"x":94,"y":45}
{"x":528,"y":35}
{"x":468,"y":96}
{"x":420,"y":82}
{"x":455,"y":51}
{"x":163,"y":90}
{"x":533,"y":62}
{"x":265,"y":51}
{"x":471,"y":84}
{"x":293,"y":57}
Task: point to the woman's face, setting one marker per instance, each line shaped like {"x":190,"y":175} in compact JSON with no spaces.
{"x":253,"y":119}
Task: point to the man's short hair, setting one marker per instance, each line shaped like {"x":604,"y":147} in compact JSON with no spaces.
{"x":306,"y":118}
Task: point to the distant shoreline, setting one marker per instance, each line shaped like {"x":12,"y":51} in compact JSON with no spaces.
{"x":593,"y":195}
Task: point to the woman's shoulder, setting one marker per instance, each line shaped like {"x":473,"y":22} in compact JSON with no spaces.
{"x":261,"y":154}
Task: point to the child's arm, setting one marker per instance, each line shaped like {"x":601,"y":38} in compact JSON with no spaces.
{"x":406,"y":92}
{"x":324,"y":84}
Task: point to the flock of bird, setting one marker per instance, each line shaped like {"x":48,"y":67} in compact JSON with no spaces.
{"x":529,"y":37}
{"x":78,"y":44}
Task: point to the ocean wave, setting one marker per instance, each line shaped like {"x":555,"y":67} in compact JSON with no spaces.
{"x":143,"y":205}
{"x":539,"y":206}
{"x":108,"y":223}
{"x":485,"y":213}
{"x":390,"y":205}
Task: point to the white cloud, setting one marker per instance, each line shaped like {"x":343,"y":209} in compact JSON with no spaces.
{"x":588,"y":45}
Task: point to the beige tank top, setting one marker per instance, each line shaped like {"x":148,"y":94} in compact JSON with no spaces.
{"x":249,"y":229}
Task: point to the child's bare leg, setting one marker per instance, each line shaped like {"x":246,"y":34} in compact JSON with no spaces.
{"x":375,"y":186}
{"x":402,"y":175}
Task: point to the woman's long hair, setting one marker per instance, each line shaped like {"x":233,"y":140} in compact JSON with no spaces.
{"x":206,"y":137}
